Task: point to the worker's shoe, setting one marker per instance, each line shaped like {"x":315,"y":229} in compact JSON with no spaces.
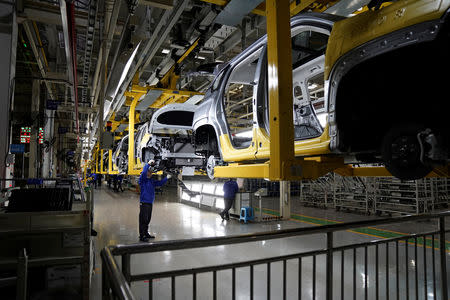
{"x":222,"y":215}
{"x":143,"y":239}
{"x":149,"y":236}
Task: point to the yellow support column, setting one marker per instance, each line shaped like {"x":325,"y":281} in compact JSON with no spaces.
{"x":97,"y":153}
{"x":102,"y":167}
{"x":109,"y":161}
{"x":94,"y":158}
{"x":84,"y":173}
{"x":279,"y":57}
{"x":132,"y":170}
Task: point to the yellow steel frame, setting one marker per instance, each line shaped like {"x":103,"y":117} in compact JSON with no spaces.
{"x":84,"y":173}
{"x":135,"y":94}
{"x":112,"y":168}
{"x":102,"y":167}
{"x":170,"y":78}
{"x":95,"y":158}
{"x":282,"y":164}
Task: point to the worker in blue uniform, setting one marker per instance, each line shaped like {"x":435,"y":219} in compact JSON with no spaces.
{"x":114,"y":178}
{"x":119,"y":183}
{"x":99,"y":179}
{"x":94,"y":178}
{"x":147,"y":197}
{"x":230,"y":188}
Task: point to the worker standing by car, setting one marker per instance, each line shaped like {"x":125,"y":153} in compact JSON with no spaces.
{"x":119,"y":182}
{"x":230,"y":188}
{"x":147,"y":184}
{"x":99,"y":178}
{"x":94,"y":179}
{"x":114,"y":178}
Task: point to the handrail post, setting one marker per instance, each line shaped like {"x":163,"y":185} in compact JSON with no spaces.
{"x":329,"y":269}
{"x":126,"y":269}
{"x":112,"y":279}
{"x":22,"y":275}
{"x":105,"y":287}
{"x":443,"y":258}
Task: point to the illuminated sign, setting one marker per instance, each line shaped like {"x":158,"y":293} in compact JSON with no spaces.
{"x":25,"y":135}
{"x":41,"y":135}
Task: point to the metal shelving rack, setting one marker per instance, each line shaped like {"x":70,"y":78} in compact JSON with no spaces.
{"x":317,"y":193}
{"x":353,"y":193}
{"x":403,"y":197}
{"x":440,"y":188}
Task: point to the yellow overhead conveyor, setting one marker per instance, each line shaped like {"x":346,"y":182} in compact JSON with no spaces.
{"x":136,"y":93}
{"x":169,"y":94}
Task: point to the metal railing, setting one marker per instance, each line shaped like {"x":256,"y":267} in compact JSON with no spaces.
{"x":387,"y":270}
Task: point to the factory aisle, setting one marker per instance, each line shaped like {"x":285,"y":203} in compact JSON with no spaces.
{"x":116,"y":221}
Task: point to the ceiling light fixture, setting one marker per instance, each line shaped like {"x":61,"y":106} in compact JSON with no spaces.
{"x":126,"y":69}
{"x":165,"y":51}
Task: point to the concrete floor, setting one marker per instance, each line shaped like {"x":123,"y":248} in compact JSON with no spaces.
{"x":116,"y":221}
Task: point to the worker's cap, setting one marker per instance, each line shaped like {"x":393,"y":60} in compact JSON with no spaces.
{"x":152,"y":162}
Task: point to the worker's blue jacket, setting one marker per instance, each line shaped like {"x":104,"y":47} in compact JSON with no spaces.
{"x":230,"y":188}
{"x":148,"y":186}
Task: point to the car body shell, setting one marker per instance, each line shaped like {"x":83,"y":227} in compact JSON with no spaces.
{"x":169,"y":123}
{"x":347,"y":37}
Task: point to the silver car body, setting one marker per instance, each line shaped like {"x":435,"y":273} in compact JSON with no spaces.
{"x":167,"y":137}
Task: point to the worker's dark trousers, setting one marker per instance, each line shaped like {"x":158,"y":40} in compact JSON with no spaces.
{"x":145,"y":214}
{"x":228,"y":205}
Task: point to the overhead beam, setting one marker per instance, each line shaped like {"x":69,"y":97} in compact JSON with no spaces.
{"x":164,"y":4}
{"x":50,"y":14}
{"x":170,"y":78}
{"x":259,"y":10}
{"x":81,"y":109}
{"x":236,"y":37}
{"x":29,"y":31}
{"x":68,"y":20}
{"x":168,"y":20}
{"x":90,"y":34}
{"x":217,"y":2}
{"x":235,"y":11}
{"x":48,"y":17}
{"x":295,"y":8}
